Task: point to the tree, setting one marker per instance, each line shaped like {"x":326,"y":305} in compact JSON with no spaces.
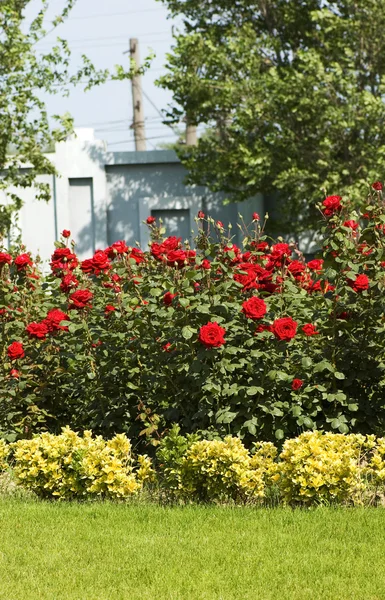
{"x":25,"y":72}
{"x":291,"y":94}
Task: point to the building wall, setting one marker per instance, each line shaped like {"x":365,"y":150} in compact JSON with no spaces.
{"x":141,"y":184}
{"x":103,"y":197}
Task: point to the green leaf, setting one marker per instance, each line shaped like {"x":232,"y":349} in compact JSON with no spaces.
{"x":155,"y":292}
{"x":324,"y":365}
{"x":254,"y":390}
{"x":339,"y":375}
{"x":306,"y":362}
{"x":343,"y":428}
{"x":279,"y":434}
{"x":225,"y":416}
{"x":188,"y":332}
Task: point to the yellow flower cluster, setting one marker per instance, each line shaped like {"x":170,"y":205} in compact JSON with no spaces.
{"x":320,"y":467}
{"x":376,"y":462}
{"x":70,"y":466}
{"x":4,"y":450}
{"x":315,"y":467}
{"x":225,"y":469}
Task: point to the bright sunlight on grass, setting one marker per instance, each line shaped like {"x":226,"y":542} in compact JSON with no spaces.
{"x":115,"y":552}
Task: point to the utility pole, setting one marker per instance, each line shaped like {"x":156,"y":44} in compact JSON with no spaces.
{"x":137,"y":100}
{"x":191,"y":134}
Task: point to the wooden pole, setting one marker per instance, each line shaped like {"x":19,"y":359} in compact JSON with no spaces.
{"x":137,"y":100}
{"x":191,"y":134}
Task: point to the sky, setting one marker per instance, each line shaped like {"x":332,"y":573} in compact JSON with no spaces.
{"x":101,"y":30}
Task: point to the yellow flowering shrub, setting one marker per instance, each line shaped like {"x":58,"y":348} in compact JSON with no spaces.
{"x":4,"y":450}
{"x":321,"y":467}
{"x":219,"y":469}
{"x":70,"y":466}
{"x":375,"y":467}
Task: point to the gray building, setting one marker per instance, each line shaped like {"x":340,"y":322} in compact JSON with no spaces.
{"x":104,"y":196}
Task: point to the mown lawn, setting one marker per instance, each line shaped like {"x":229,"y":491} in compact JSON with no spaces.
{"x":117,"y":552}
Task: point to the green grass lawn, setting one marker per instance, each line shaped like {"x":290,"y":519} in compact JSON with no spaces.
{"x":115,"y":552}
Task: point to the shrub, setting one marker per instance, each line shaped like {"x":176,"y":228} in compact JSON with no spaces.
{"x":375,"y":468}
{"x":170,"y":455}
{"x":70,"y":466}
{"x":321,"y":467}
{"x":251,"y":341}
{"x":222,"y":469}
{"x":4,"y":450}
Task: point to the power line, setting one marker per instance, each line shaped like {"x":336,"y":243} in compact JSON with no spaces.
{"x":156,"y":137}
{"x":114,"y":37}
{"x":117,"y":14}
{"x":121,"y":44}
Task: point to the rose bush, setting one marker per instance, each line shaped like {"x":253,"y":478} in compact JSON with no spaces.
{"x":252,"y":341}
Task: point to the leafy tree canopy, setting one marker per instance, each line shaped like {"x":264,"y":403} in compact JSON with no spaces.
{"x":26,"y":72}
{"x":291,"y":94}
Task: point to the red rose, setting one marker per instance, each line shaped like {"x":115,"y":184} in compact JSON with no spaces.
{"x":15,"y":351}
{"x":296,"y":268}
{"x":5,"y":258}
{"x":332,"y":204}
{"x":176,"y":256}
{"x":285,"y":328}
{"x":262,"y":328}
{"x":63,"y":259}
{"x":351,"y":224}
{"x":205,"y":264}
{"x":168,"y":298}
{"x":360,"y":283}
{"x":81,"y":298}
{"x":259,"y":246}
{"x":37,"y":330}
{"x":280,"y":251}
{"x":364,"y":249}
{"x":171,"y":243}
{"x":66,"y":233}
{"x":255,"y":216}
{"x":109,"y":309}
{"x":254,"y":308}
{"x":150,"y":220}
{"x":296,"y":384}
{"x":54,"y":318}
{"x":117,"y":248}
{"x":167,"y":347}
{"x":201,"y":214}
{"x":377,"y":185}
{"x":68,"y":282}
{"x":211,"y":335}
{"x":138,"y":255}
{"x":219,"y":224}
{"x":14,"y":373}
{"x":22,"y":261}
{"x":100,"y":261}
{"x":315,"y":265}
{"x":87,"y":265}
{"x":310,"y":329}
{"x":343,"y":316}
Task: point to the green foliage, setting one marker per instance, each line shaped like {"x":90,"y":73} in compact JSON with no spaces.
{"x":253,"y":342}
{"x":25,"y":71}
{"x":290,"y":93}
{"x":170,"y":454}
{"x":314,"y":468}
{"x":223,"y":469}
{"x":69,"y":466}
